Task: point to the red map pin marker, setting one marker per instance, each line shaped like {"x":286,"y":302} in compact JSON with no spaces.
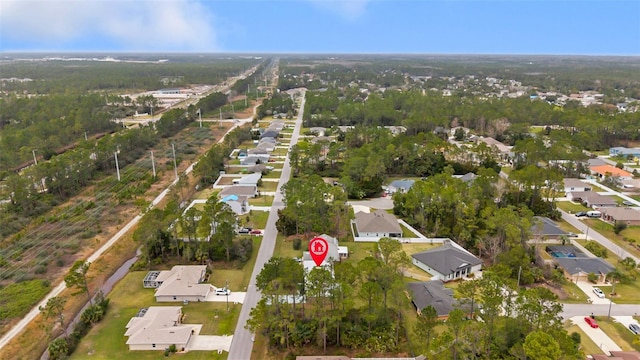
{"x":318,"y":248}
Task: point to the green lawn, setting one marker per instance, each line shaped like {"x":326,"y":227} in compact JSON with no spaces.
{"x":571,"y":207}
{"x":262,"y":200}
{"x":272,"y":175}
{"x":618,"y":333}
{"x":285,"y":249}
{"x":107,"y":341}
{"x":270,"y":186}
{"x":255,"y":219}
{"x":628,"y":293}
{"x":406,"y":232}
{"x":586,"y":344}
{"x":575,"y":295}
{"x":606,"y":229}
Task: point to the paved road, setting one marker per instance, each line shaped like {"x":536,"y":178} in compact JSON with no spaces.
{"x":594,"y":235}
{"x":571,"y":310}
{"x":604,"y":342}
{"x":242,"y":343}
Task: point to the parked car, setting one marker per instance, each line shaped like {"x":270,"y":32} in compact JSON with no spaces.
{"x":591,"y":322}
{"x":244,"y":230}
{"x":598,"y":292}
{"x":223,"y":291}
{"x":255,"y":232}
{"x":581,"y":214}
{"x":634,"y":328}
{"x":572,"y":234}
{"x":628,"y":203}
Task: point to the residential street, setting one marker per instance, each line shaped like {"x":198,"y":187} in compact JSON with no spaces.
{"x":242,"y":343}
{"x":592,"y":234}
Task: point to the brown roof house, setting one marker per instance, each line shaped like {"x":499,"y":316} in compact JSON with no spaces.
{"x":447,"y":262}
{"x":627,"y":215}
{"x":376,"y":225}
{"x":158,"y":328}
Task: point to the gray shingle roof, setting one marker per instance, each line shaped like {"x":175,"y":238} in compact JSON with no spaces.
{"x":546,"y":227}
{"x":432,"y":293}
{"x":585,"y":265}
{"x":378,"y":221}
{"x":446,"y":259}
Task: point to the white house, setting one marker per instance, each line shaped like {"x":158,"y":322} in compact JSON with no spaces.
{"x":447,"y":262}
{"x":158,"y":328}
{"x":377,"y":224}
{"x":334,"y":253}
{"x":249,"y":180}
{"x":571,"y":184}
{"x":182,"y":283}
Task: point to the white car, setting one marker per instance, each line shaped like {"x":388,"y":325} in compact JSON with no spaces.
{"x":598,"y":292}
{"x":223,"y":291}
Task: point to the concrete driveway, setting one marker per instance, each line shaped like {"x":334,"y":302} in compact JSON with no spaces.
{"x":210,"y":343}
{"x":598,"y":336}
{"x":625,"y":320}
{"x":587,"y":288}
{"x":236,"y":297}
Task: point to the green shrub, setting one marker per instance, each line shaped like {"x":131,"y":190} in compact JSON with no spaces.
{"x":18,"y":298}
{"x":596,"y":249}
{"x":592,"y":277}
{"x":297,"y":243}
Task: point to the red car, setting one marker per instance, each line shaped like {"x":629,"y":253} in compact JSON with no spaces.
{"x":591,"y":322}
{"x":255,"y":232}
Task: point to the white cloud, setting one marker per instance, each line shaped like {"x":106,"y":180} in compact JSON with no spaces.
{"x":128,"y":25}
{"x":348,"y":9}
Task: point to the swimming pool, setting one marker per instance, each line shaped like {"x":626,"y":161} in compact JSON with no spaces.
{"x":560,"y":254}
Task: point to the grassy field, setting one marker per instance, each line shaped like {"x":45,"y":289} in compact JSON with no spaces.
{"x":270,"y":186}
{"x":106,"y":340}
{"x":606,"y":229}
{"x":575,"y":295}
{"x":586,"y":344}
{"x":255,"y":219}
{"x":262,"y":200}
{"x":618,"y":333}
{"x":571,"y":207}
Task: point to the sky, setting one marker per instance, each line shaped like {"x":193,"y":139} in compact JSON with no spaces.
{"x":555,"y":27}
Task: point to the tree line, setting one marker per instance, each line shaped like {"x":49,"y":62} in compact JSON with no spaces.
{"x":362,"y":307}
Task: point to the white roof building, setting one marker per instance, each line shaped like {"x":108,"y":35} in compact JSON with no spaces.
{"x":159,"y":328}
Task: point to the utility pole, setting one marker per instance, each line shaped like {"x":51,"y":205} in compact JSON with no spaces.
{"x":35,"y":161}
{"x":85,"y":135}
{"x":200,"y":117}
{"x":175,"y":166}
{"x":220,"y":114}
{"x":153,"y":165}
{"x":117,"y":167}
{"x":227,"y":292}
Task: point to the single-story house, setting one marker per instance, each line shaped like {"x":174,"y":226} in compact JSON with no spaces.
{"x":432,"y":293}
{"x":447,"y":262}
{"x":249,"y":180}
{"x":576,"y":264}
{"x":270,"y":132}
{"x":571,"y":185}
{"x":255,"y":159}
{"x":576,"y":268}
{"x":182,"y":283}
{"x":624,"y":151}
{"x":158,"y":328}
{"x":467,"y":178}
{"x":603,"y":171}
{"x":239,"y":204}
{"x":242,"y":153}
{"x":317,"y":130}
{"x":592,"y":199}
{"x":239,"y":190}
{"x":627,"y":215}
{"x":545,"y":227}
{"x":258,"y":150}
{"x":261,"y":168}
{"x":401,"y":186}
{"x":334,"y":253}
{"x":377,"y":224}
